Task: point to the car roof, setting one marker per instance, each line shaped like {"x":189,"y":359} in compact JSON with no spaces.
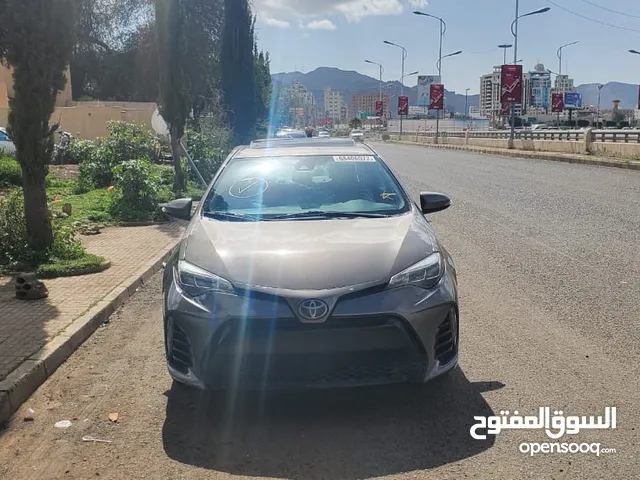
{"x":296,"y":142}
{"x":317,"y":148}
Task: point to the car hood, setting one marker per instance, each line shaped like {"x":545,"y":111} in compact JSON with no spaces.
{"x":308,"y":254}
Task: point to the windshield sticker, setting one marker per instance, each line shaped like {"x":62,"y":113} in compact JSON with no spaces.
{"x":248,"y":188}
{"x":354,"y":159}
{"x":387,"y":196}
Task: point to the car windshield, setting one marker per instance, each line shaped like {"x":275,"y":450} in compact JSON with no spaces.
{"x":305,"y":186}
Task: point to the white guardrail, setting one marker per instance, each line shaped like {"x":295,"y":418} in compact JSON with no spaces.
{"x":621,"y":136}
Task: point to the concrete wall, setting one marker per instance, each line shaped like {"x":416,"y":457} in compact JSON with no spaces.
{"x":89,"y":120}
{"x":615,"y":149}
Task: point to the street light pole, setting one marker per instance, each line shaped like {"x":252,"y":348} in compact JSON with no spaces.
{"x":443,"y":30}
{"x":466,"y":102}
{"x":404,"y":58}
{"x":504,"y":48}
{"x":514,"y":32}
{"x":599,"y":91}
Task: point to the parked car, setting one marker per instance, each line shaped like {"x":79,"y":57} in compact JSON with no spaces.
{"x":357,"y":135}
{"x":6,"y":145}
{"x":324,"y":135}
{"x":308,"y":265}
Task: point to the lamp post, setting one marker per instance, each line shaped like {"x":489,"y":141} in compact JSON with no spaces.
{"x":466,"y":102}
{"x":514,"y":32}
{"x":599,"y":92}
{"x":404,"y":58}
{"x":381,"y":72}
{"x":443,"y":30}
{"x":504,"y":48}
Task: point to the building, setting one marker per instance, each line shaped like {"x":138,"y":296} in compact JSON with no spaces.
{"x":475,"y":113}
{"x":538,"y":90}
{"x":365,"y":104}
{"x":564,"y":84}
{"x":303,"y":106}
{"x":490,"y":104}
{"x":333,"y":104}
{"x":6,"y":89}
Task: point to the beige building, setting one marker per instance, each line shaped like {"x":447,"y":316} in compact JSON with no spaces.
{"x":82,"y":119}
{"x":333,"y":104}
{"x":365,"y":103}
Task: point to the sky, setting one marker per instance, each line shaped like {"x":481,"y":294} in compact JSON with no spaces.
{"x":302,"y":35}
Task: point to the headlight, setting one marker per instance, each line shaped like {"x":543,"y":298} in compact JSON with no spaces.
{"x":196,"y":282}
{"x":425,"y":274}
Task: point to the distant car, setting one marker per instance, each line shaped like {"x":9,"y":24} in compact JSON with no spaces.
{"x":290,"y":134}
{"x":324,"y":135}
{"x":6,"y":145}
{"x":357,"y":135}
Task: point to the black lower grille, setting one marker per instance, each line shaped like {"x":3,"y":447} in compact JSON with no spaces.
{"x":180,"y":350}
{"x":445,"y":347}
{"x":319,"y":370}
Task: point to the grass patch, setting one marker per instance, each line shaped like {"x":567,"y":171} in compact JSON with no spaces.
{"x":88,"y":263}
{"x":92,"y":206}
{"x":10,"y":172}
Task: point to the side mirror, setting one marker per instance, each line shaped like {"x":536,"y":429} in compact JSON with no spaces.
{"x":180,"y":208}
{"x":433,"y":202}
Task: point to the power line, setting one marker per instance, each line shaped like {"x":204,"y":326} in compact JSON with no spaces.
{"x":592,"y":19}
{"x":617,"y":12}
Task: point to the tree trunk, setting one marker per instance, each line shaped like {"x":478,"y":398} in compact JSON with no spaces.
{"x":176,"y":150}
{"x":36,"y":212}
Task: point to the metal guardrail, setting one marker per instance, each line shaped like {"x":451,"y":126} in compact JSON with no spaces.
{"x":621,"y":136}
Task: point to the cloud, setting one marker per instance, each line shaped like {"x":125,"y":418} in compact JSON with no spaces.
{"x":352,"y":10}
{"x":321,"y":25}
{"x":274,"y":22}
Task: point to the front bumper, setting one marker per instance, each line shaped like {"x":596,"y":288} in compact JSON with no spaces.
{"x":254,"y":340}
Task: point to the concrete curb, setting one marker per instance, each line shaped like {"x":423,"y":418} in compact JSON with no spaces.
{"x":24,"y":380}
{"x":601,"y":162}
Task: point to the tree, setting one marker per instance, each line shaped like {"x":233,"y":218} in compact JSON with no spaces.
{"x":237,"y":69}
{"x":175,"y":97}
{"x":36,"y":40}
{"x":355,"y":123}
{"x":263,"y":91}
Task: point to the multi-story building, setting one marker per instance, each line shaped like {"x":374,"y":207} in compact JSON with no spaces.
{"x":490,"y":104}
{"x":365,"y":104}
{"x":539,"y":89}
{"x":303,"y":106}
{"x":333,"y":103}
{"x":563,"y":84}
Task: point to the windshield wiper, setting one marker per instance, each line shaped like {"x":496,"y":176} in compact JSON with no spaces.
{"x":231,"y":216}
{"x":321,"y":214}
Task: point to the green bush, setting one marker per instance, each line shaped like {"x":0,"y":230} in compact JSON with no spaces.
{"x":126,"y":141}
{"x":10,"y":172}
{"x":386,"y":137}
{"x":14,"y":248}
{"x":80,"y":151}
{"x":135,"y":197}
{"x":205,"y":154}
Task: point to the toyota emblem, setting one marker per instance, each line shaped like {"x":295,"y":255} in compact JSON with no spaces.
{"x":313,"y":310}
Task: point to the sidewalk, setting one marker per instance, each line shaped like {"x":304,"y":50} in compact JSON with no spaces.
{"x":557,"y":157}
{"x":37,"y":336}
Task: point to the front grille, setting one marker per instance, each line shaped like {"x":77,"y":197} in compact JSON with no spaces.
{"x":180,"y":350}
{"x":325,"y":370}
{"x":445,"y":347}
{"x":397,"y":358}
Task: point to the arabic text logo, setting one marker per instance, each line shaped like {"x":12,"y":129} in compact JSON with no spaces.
{"x":313,"y":309}
{"x":555,"y":426}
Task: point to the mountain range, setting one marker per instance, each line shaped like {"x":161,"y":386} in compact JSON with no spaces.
{"x":350,"y":83}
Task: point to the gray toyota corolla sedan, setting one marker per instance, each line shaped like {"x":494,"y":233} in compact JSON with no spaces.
{"x":307,"y":264}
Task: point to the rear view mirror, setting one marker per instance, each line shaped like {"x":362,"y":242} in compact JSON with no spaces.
{"x":433,"y":202}
{"x":180,"y":209}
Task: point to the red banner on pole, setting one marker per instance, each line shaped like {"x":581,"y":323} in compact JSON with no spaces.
{"x":403,"y":105}
{"x":436,"y":92}
{"x":557,"y":102}
{"x":380,"y":108}
{"x":506,"y":109}
{"x":511,"y":84}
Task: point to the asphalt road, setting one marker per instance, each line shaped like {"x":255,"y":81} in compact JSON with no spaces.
{"x":549,"y":270}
